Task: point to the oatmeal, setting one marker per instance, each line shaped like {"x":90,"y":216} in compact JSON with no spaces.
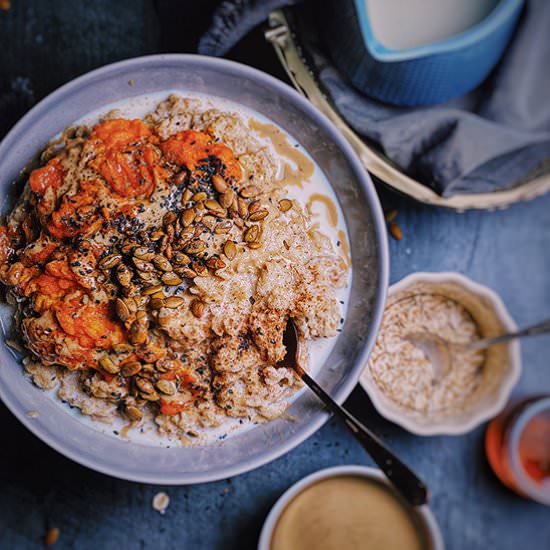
{"x":154,"y":263}
{"x":404,"y":373}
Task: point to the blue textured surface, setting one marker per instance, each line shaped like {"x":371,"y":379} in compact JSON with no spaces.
{"x":392,"y":76}
{"x":507,"y":250}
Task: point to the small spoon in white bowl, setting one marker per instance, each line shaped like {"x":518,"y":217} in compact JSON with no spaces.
{"x":439,"y":351}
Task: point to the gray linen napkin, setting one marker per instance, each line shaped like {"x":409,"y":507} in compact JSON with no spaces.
{"x":491,"y":139}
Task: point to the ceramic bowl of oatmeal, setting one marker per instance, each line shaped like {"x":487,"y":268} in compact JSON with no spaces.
{"x":162,"y":218}
{"x":400,"y":379}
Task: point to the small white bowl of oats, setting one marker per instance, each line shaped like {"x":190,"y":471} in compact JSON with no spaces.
{"x":400,"y":379}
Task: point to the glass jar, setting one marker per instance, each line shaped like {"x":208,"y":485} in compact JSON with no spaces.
{"x":517,"y":444}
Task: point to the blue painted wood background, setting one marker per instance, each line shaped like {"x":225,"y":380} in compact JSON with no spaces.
{"x":44,"y":44}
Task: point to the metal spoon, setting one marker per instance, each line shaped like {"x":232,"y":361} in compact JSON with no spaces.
{"x":439,"y":351}
{"x":404,"y":480}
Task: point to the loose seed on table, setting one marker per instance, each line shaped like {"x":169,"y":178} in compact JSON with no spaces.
{"x":395,"y":231}
{"x":254,"y":245}
{"x":51,"y":536}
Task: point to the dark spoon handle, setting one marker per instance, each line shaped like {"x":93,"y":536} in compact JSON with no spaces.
{"x":404,"y":480}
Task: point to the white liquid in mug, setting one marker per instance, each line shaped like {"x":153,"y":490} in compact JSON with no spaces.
{"x":404,"y":24}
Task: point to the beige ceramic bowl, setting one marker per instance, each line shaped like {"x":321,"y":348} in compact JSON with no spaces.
{"x":501,"y":369}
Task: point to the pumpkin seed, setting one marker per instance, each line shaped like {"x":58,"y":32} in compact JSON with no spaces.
{"x":254,"y":245}
{"x":143,"y":265}
{"x":168,"y":218}
{"x":151,"y":290}
{"x":186,"y":196}
{"x":195,"y":246}
{"x":249,"y":191}
{"x":108,"y":365}
{"x":189,"y":273}
{"x":150,"y":396}
{"x":166,"y":386}
{"x":230,"y":250}
{"x":138,"y":332}
{"x":122,"y":310}
{"x":173,"y":301}
{"x":124,"y":275}
{"x":259,"y":215}
{"x":227,"y":198}
{"x":395,"y":231}
{"x":254,"y":206}
{"x":144,"y":385}
{"x":148,"y":277}
{"x":122,"y":348}
{"x":165,"y":365}
{"x":156,"y":303}
{"x":200,"y":196}
{"x":285,"y":205}
{"x":243,"y":207}
{"x":133,"y":413}
{"x":158,"y":295}
{"x":143,"y":253}
{"x":219,"y":184}
{"x":187,"y":217}
{"x":215,"y":263}
{"x":171,"y":279}
{"x":179,"y":258}
{"x":110,"y":261}
{"x":252,"y":233}
{"x":197,"y":308}
{"x":201,"y":270}
{"x":162,"y":263}
{"x":130,"y":369}
{"x":209,"y":221}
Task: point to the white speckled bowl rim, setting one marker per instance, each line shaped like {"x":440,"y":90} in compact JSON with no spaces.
{"x":447,"y":427}
{"x":369,"y":250}
{"x":425,"y":514}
